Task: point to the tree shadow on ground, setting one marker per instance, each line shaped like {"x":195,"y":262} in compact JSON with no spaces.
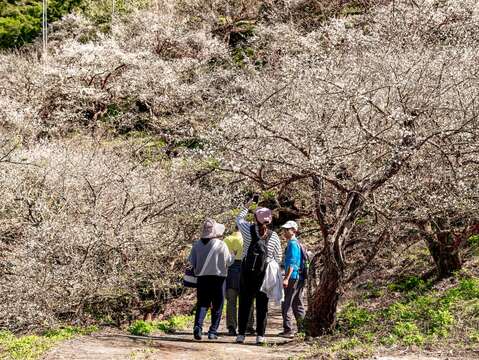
{"x":179,"y":337}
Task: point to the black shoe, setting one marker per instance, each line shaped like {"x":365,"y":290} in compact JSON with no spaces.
{"x":232,"y":332}
{"x":197,"y":333}
{"x":250,"y":331}
{"x":212,"y":336}
{"x":286,"y":334}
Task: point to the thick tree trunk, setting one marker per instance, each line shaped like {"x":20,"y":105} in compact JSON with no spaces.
{"x":322,"y":305}
{"x":445,"y":253}
{"x":321,"y":315}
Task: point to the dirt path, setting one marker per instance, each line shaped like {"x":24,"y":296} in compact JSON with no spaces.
{"x":118,"y":346}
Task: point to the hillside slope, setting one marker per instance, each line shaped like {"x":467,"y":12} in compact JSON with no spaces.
{"x":118,"y":143}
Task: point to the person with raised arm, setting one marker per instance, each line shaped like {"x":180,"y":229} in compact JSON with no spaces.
{"x":261,"y":248}
{"x":235,"y":243}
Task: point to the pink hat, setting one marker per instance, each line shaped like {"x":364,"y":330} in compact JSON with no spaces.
{"x":212,"y":229}
{"x":263,"y":215}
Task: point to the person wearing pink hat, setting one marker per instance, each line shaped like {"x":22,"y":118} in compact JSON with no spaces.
{"x":261,"y":245}
{"x":210,"y":259}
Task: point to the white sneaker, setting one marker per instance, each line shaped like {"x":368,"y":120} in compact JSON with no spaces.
{"x":240,"y":339}
{"x":260,"y":340}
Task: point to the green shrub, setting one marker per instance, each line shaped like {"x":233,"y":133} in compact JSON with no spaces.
{"x":400,"y":311}
{"x":178,"y":322}
{"x":440,"y":321}
{"x":473,"y":240}
{"x":141,"y":328}
{"x":100,"y":11}
{"x":389,"y":340}
{"x":21,"y":22}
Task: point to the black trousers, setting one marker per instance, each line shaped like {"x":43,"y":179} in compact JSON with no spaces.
{"x":250,"y":283}
{"x":209,"y":294}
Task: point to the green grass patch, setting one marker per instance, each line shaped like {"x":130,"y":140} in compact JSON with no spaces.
{"x":421,"y":317}
{"x":31,"y":347}
{"x":178,"y":322}
{"x":473,"y":242}
{"x":142,"y":328}
{"x":352,"y":318}
{"x":410,"y":284}
{"x":173,"y":324}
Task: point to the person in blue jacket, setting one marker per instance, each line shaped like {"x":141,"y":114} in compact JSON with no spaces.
{"x":293,"y":282}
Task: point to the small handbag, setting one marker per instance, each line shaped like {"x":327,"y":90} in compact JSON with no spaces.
{"x":189,"y":278}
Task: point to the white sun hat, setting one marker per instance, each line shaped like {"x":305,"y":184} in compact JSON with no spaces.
{"x":290,"y":225}
{"x":212,"y":229}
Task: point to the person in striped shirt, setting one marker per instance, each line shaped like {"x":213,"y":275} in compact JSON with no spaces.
{"x":250,"y":282}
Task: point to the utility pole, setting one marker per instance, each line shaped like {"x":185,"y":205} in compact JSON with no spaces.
{"x":45,"y":30}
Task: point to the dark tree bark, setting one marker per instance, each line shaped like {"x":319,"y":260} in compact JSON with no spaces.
{"x":443,"y":248}
{"x":321,"y":315}
{"x":323,"y":302}
{"x":446,"y":256}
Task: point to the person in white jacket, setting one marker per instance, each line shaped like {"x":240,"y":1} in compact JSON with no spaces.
{"x":210,"y":259}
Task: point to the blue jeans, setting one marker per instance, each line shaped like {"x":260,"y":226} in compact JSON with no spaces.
{"x":209,"y":293}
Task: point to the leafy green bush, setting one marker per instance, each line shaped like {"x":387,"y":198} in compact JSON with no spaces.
{"x":21,"y":21}
{"x":100,"y":11}
{"x":473,"y":240}
{"x":25,"y":347}
{"x":346,"y":344}
{"x":141,"y":328}
{"x":178,"y":322}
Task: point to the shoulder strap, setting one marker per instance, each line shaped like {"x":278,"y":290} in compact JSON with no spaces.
{"x":254,"y":235}
{"x":208,"y":257}
{"x":304,"y":253}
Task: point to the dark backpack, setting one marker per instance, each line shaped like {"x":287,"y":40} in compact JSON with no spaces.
{"x":304,"y":267}
{"x":255,"y":260}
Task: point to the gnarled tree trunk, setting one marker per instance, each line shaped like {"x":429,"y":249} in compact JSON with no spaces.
{"x":322,"y":305}
{"x":444,"y":250}
{"x":323,"y":302}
